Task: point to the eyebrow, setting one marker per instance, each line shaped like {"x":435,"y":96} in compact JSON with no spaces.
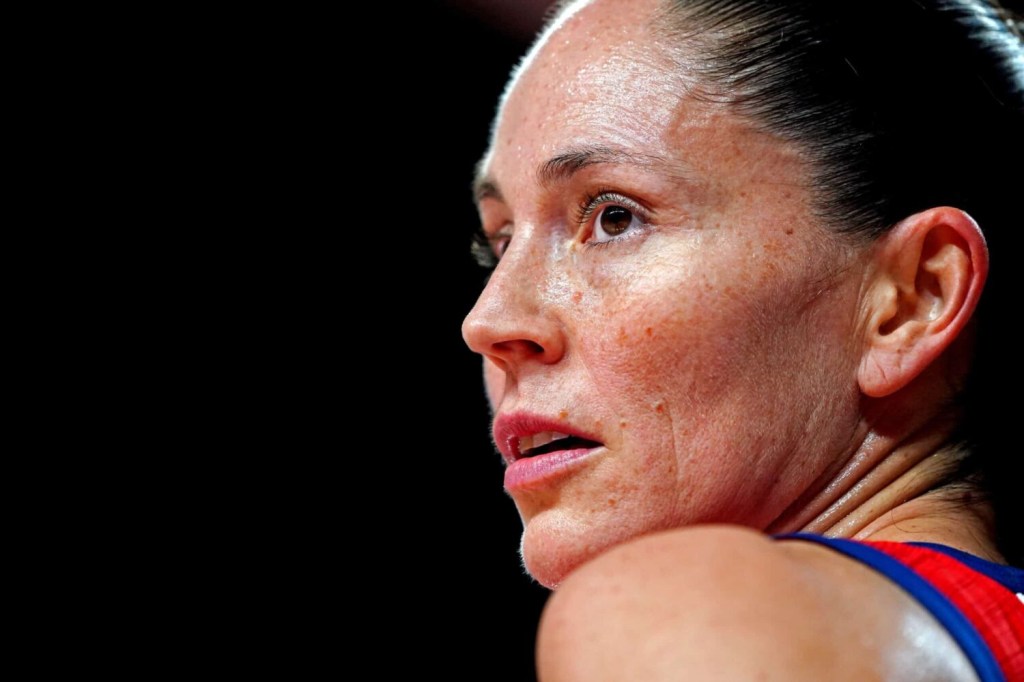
{"x":486,"y":188}
{"x":563,"y":166}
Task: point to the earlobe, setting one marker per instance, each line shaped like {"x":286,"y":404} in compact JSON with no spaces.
{"x":928,"y":274}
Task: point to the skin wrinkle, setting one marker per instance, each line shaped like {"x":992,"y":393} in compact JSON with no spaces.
{"x":674,"y":511}
{"x":809,"y":511}
{"x":780,"y":524}
{"x":878,"y":480}
{"x":911,"y":484}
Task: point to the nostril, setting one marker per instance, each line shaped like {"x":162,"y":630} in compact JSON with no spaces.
{"x":520,"y":346}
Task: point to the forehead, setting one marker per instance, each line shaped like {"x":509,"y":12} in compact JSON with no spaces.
{"x":599,"y":77}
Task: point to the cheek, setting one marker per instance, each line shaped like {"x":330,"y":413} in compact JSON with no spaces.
{"x":665,"y":338}
{"x":690,"y":314}
{"x":700,"y":363}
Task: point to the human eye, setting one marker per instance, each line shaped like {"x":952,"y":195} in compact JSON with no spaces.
{"x":487,"y":249}
{"x":612,"y":215}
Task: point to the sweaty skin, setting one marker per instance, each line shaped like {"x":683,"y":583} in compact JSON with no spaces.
{"x":666,"y":287}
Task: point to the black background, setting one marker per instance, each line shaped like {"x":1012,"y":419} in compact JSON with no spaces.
{"x":455,"y":598}
{"x":345,"y":507}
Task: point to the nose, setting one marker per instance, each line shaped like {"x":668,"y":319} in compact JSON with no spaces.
{"x":511,"y":323}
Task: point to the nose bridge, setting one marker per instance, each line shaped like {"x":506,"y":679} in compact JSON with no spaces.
{"x":516,"y":283}
{"x":512,"y":320}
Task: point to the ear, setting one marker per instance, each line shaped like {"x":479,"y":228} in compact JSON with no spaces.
{"x":928,"y":274}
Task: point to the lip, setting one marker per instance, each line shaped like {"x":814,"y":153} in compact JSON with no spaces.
{"x":531,"y":472}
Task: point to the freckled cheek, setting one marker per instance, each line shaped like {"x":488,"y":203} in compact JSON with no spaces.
{"x":641,"y":344}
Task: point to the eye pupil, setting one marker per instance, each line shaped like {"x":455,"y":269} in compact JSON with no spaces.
{"x":615,"y":220}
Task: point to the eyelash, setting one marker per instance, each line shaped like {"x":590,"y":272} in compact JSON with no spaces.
{"x":484,"y":246}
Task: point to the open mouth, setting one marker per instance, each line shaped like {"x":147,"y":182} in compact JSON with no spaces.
{"x":552,"y":441}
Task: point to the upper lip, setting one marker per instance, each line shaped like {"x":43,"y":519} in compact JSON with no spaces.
{"x":510,"y":428}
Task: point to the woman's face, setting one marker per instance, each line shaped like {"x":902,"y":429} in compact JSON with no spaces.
{"x":665,"y":296}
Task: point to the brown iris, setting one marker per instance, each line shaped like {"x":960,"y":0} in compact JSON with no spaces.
{"x":615,"y":220}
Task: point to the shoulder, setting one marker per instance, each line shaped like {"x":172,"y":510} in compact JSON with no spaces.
{"x":727,"y":603}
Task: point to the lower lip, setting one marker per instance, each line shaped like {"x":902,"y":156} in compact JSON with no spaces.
{"x":531,"y":473}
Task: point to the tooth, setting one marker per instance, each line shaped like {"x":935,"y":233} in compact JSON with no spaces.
{"x":542,"y":438}
{"x":527,"y":443}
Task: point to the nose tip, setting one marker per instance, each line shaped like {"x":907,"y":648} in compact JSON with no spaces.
{"x":473,"y":332}
{"x":511,"y":334}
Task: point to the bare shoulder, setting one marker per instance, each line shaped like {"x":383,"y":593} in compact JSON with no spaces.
{"x":724,"y":603}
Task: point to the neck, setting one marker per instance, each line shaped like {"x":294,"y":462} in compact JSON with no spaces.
{"x":890,"y":487}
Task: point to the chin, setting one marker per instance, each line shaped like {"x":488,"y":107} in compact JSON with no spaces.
{"x":549,"y":568}
{"x":553,"y":548}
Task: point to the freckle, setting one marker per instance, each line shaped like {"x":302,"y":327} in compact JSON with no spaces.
{"x":611,"y":502}
{"x":564,"y":414}
{"x":649,"y":331}
{"x":623,"y":338}
{"x":577,"y":296}
{"x":789,"y":230}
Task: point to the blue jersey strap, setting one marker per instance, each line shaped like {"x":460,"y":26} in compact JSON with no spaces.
{"x":937,"y":604}
{"x":1009,"y":576}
